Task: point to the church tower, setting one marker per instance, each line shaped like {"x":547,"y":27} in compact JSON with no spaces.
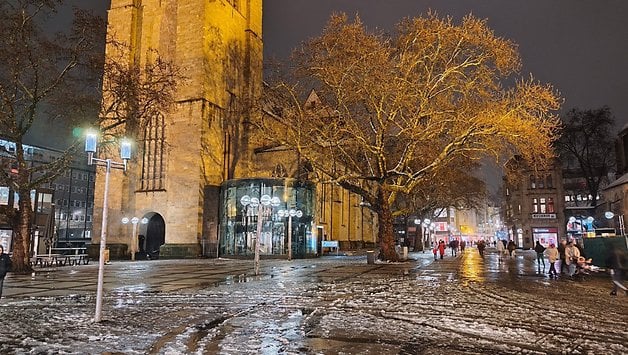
{"x":182,"y":156}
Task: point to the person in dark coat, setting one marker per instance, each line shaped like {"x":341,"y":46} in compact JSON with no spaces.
{"x":481,"y":246}
{"x":539,"y":249}
{"x":5,"y":266}
{"x":616,"y":262}
{"x":511,"y":248}
{"x":561,"y":253}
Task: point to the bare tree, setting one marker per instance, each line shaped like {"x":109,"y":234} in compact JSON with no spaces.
{"x":586,"y":147}
{"x":405,"y":109}
{"x":60,"y":76}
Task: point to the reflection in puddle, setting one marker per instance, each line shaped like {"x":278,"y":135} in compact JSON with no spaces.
{"x":472,"y":268}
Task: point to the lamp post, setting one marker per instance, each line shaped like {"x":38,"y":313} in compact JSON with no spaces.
{"x":417,"y":222}
{"x":134,"y":221}
{"x":263,"y":203}
{"x":425,"y":231}
{"x":125,"y":154}
{"x":290,"y":213}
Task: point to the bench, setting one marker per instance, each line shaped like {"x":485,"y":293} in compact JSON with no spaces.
{"x":47,"y":260}
{"x":330,"y":244}
{"x":76,"y":259}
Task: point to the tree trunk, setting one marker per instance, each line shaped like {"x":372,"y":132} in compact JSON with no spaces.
{"x":418,"y":240}
{"x":386,"y":233}
{"x":21,"y":243}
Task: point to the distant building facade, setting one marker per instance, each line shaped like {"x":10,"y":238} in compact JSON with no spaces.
{"x":62,"y":209}
{"x":534,"y":205}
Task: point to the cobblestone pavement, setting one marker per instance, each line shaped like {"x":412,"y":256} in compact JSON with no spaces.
{"x":330,"y":305}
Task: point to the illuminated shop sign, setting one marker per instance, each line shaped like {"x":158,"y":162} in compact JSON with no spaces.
{"x":544,"y":216}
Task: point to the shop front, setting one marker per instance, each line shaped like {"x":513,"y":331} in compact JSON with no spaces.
{"x":286,"y":223}
{"x":545,"y":235}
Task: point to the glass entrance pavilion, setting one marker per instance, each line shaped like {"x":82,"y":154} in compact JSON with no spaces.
{"x":294,"y":214}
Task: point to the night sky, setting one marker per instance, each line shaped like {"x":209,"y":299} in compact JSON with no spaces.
{"x":579,"y":46}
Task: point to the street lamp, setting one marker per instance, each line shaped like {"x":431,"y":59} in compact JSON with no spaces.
{"x":263,"y":203}
{"x":290,"y":213}
{"x":125,"y":154}
{"x":133,"y":221}
{"x":425,"y":230}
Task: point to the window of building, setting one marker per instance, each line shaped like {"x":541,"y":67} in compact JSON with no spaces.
{"x":542,"y":205}
{"x":550,"y":182}
{"x":550,"y":205}
{"x":4,"y":195}
{"x":153,"y":159}
{"x":532,"y":182}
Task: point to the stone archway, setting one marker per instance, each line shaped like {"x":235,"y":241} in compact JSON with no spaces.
{"x":152,"y":235}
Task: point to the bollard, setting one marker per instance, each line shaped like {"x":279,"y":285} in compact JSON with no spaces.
{"x":405,"y":253}
{"x":370,"y":257}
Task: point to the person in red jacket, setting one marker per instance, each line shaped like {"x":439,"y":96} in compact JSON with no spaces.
{"x":441,"y":248}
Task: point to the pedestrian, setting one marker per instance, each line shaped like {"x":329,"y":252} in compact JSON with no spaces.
{"x":511,"y":248}
{"x":552,"y":255}
{"x":441,"y":248}
{"x":5,"y":266}
{"x":571,"y":258}
{"x":463,"y":245}
{"x":616,"y":262}
{"x":561,"y":251}
{"x":481,"y":246}
{"x":539,"y":249}
{"x":453,"y":245}
{"x":435,"y":250}
{"x":500,"y":250}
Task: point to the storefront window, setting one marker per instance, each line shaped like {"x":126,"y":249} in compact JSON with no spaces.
{"x":4,"y":195}
{"x":239,"y":222}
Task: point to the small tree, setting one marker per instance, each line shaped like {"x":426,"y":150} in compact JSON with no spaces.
{"x":587,"y":146}
{"x":405,"y":109}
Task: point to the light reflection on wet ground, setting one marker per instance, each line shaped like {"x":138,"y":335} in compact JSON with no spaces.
{"x":472,"y":268}
{"x":323,"y":306}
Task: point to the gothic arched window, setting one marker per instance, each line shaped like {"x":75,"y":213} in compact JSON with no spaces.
{"x":153,"y":160}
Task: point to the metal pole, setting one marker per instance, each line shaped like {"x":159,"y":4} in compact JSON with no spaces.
{"x":289,"y":237}
{"x":259,"y":232}
{"x":133,"y":243}
{"x":103,"y":245}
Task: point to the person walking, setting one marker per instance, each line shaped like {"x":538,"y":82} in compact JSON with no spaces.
{"x":571,"y":258}
{"x":5,"y":266}
{"x":500,"y":250}
{"x":441,"y":248}
{"x":511,"y":248}
{"x":552,"y":256}
{"x":540,"y":257}
{"x":453,"y":244}
{"x":616,"y":262}
{"x":481,"y":246}
{"x":561,"y":252}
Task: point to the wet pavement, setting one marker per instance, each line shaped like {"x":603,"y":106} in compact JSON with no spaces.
{"x":329,"y":305}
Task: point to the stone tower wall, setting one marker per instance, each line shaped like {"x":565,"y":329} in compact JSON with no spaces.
{"x":218,"y":46}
